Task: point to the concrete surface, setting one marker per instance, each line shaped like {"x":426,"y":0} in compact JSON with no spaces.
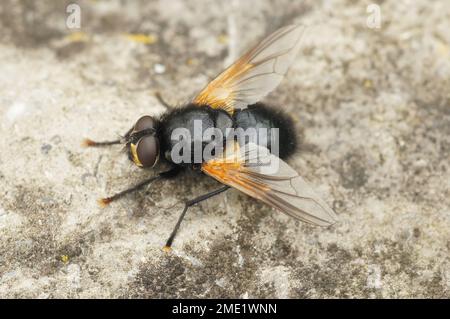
{"x":372,"y":108}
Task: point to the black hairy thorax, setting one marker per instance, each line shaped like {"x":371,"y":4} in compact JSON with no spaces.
{"x":193,"y":118}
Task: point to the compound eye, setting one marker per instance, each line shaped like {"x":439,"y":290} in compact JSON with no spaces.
{"x":144,"y":123}
{"x":147,"y":151}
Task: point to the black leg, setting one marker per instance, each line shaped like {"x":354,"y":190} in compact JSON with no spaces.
{"x":164,"y":175}
{"x":162,"y":101}
{"x":186,"y":206}
{"x":90,"y":143}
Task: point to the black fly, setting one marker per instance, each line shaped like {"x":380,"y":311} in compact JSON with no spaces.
{"x":231,"y":101}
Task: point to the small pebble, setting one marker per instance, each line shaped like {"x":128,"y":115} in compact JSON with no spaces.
{"x":159,"y":68}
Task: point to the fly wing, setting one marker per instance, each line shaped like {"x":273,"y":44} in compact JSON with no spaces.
{"x":256,"y":73}
{"x":256,"y":172}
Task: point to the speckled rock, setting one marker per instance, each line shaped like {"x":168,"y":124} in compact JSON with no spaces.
{"x":372,"y":108}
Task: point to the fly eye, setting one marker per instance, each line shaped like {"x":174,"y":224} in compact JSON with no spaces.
{"x":144,"y":123}
{"x":147,"y":151}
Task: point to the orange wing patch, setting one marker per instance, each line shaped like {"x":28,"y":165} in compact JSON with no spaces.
{"x":228,"y":169}
{"x":282,"y":189}
{"x":219,"y":94}
{"x":255,"y":74}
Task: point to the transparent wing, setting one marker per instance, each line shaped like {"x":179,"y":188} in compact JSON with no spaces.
{"x":256,"y":73}
{"x":256,"y":172}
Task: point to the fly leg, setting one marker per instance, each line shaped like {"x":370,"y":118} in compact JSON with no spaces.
{"x":90,"y":143}
{"x":186,"y":206}
{"x":163,"y":175}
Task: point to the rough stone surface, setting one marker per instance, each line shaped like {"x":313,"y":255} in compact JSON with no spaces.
{"x":372,"y":107}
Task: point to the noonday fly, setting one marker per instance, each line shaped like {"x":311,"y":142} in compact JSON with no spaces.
{"x":230,"y":103}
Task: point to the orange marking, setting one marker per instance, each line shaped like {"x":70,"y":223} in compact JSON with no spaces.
{"x":103,"y":202}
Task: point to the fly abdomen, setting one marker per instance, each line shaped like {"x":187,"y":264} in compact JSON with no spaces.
{"x":279,"y":128}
